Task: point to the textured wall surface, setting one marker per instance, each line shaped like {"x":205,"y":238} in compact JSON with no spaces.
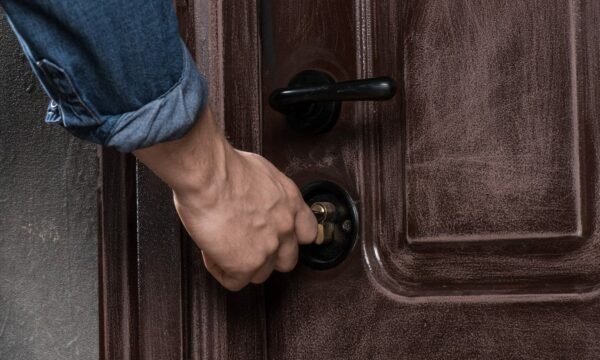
{"x":48,"y":225}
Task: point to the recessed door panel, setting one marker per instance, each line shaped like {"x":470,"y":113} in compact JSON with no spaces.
{"x":491,"y":186}
{"x":492,"y":128}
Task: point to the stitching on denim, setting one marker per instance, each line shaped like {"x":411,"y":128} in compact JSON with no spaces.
{"x":91,"y":113}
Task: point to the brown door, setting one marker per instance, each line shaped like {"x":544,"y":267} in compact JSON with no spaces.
{"x":476,"y":186}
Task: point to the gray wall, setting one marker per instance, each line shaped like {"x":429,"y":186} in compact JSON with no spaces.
{"x":48,"y":225}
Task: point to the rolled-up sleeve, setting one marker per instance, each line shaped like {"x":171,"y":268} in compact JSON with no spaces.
{"x":116,"y":71}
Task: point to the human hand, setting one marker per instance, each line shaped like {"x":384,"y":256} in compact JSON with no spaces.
{"x":246,"y":216}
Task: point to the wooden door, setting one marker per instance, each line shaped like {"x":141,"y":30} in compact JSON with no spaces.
{"x":476,"y":188}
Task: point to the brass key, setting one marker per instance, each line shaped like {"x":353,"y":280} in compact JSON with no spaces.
{"x":324,"y":212}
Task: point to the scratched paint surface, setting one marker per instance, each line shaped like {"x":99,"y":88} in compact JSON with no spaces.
{"x":483,"y":160}
{"x":48,"y":226}
{"x":477,"y":185}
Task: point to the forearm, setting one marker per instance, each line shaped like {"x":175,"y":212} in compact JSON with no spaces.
{"x":119,"y":75}
{"x":193,"y":163}
{"x":245,"y":215}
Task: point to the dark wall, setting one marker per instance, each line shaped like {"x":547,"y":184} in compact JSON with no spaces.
{"x":48,"y":225}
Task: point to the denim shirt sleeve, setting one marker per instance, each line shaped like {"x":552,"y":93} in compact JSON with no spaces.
{"x":117,"y":71}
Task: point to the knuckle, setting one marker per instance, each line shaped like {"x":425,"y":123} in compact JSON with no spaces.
{"x":288,"y":183}
{"x":287,"y":222}
{"x":297,"y":197}
{"x":287,"y":265}
{"x":284,"y":220}
{"x":234,"y":285}
{"x":261,"y":278}
{"x":245,"y":267}
{"x":252,"y":264}
{"x":293,"y":191}
{"x":271,"y":245}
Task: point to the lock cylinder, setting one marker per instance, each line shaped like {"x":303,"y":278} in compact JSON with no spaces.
{"x":337,"y":227}
{"x":325,"y":213}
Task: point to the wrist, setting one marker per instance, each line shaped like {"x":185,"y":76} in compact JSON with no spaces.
{"x":194,"y":163}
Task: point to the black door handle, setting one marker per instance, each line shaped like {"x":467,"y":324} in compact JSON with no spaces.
{"x":311,"y":103}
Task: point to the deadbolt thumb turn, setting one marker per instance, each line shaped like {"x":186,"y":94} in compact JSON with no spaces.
{"x":312,"y":101}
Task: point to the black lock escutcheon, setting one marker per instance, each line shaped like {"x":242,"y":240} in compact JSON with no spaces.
{"x":337,"y":218}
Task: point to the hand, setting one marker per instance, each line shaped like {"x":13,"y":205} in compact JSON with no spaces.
{"x":249,"y":223}
{"x":245,"y":215}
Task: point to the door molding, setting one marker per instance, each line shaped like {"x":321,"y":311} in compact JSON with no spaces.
{"x":156,"y":299}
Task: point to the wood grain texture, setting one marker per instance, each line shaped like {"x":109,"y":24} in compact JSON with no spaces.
{"x":241,"y":74}
{"x":159,"y":302}
{"x":228,"y":325}
{"x":527,"y":111}
{"x":492,"y":135}
{"x":159,"y":276}
{"x":203,"y":299}
{"x":140,"y":264}
{"x":492,"y":298}
{"x":505,"y":297}
{"x":117,"y":256}
{"x":242,"y":119}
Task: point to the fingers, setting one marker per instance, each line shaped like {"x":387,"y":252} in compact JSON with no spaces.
{"x":284,"y":260}
{"x":287,"y":256}
{"x":306,"y":226}
{"x":262,"y":274}
{"x":281,"y":222}
{"x":305,"y":223}
{"x":230,"y":282}
{"x":237,"y":281}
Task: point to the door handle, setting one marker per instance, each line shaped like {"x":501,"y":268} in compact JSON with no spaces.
{"x":312,"y":101}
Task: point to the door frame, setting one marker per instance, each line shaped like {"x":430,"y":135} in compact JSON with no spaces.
{"x":156,"y":300}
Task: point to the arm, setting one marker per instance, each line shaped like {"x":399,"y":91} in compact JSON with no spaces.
{"x":246,"y":216}
{"x":118,"y":74}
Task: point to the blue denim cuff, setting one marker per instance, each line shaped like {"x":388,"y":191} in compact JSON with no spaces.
{"x":118,"y":72}
{"x":166,"y":118}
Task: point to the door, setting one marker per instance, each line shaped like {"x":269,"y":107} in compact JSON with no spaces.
{"x":475,"y":188}
{"x":476,"y":185}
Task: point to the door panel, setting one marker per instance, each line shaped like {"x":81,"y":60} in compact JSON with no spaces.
{"x":476,"y":185}
{"x":492,"y":134}
{"x":494,"y":187}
